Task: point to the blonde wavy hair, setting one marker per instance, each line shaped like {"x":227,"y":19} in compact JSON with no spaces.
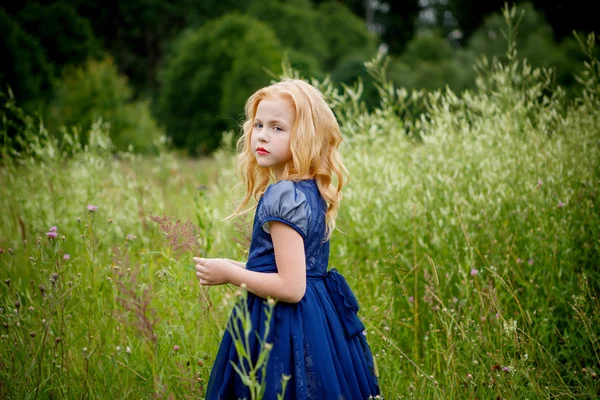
{"x":314,"y":142}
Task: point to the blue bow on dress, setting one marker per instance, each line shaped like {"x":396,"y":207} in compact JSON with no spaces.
{"x":345,"y":302}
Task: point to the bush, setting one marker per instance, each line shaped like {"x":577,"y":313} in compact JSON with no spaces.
{"x":96,"y":90}
{"x":343,"y":33}
{"x":209,"y":75}
{"x":430,"y":63}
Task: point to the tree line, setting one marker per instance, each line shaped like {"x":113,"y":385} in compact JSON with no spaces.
{"x":185,"y":67}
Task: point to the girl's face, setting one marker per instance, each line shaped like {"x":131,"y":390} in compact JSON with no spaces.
{"x":271,"y":133}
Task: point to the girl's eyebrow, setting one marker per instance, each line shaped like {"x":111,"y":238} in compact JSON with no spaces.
{"x":273,"y":121}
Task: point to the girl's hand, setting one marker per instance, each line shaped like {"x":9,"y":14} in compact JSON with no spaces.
{"x":212,"y":271}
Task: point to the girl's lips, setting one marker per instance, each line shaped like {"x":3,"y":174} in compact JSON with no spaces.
{"x":260,"y":150}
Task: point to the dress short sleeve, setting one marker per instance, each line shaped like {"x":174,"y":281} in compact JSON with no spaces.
{"x":285,"y":203}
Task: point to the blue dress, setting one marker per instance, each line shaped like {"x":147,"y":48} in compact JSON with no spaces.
{"x":318,"y":341}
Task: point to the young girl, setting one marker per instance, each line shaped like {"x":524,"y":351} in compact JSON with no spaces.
{"x":291,"y":135}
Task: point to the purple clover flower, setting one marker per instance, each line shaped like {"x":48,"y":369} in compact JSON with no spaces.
{"x":52,"y":235}
{"x":505,"y":369}
{"x":474,"y":272}
{"x":66,"y":256}
{"x":411,"y":299}
{"x":54,"y":229}
{"x":92,"y":208}
{"x":530,"y":262}
{"x":560,"y":204}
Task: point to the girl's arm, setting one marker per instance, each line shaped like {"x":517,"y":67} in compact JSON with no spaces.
{"x":237,"y":263}
{"x":288,"y":284}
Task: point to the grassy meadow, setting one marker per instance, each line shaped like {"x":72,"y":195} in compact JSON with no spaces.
{"x":469,"y":233}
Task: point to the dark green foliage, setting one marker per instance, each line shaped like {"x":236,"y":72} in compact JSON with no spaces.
{"x":352,"y":68}
{"x":138,"y":33}
{"x":343,"y":33}
{"x":210,"y":73}
{"x":430,"y":63}
{"x":295,"y":24}
{"x":66,"y":37}
{"x":25,"y":67}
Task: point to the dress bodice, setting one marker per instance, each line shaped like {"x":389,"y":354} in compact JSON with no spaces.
{"x":299,"y":205}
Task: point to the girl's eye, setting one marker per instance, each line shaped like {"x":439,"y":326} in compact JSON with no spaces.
{"x":258,"y":125}
{"x":278,"y":129}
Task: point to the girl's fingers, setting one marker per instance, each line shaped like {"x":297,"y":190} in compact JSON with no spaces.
{"x":198,"y":259}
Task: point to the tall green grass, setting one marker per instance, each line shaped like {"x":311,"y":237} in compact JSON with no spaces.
{"x":470,"y":235}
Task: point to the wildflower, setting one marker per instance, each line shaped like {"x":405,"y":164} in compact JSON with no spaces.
{"x":78,"y":220}
{"x":530,"y":262}
{"x":54,"y":229}
{"x":131,"y":237}
{"x":118,"y":348}
{"x":63,"y":237}
{"x":52,"y":235}
{"x":539,"y":182}
{"x":181,"y":237}
{"x":271,"y":301}
{"x":519,"y":261}
{"x":92,"y":208}
{"x":505,"y":369}
{"x":560,"y":204}
{"x":175,"y":348}
{"x":411,"y":299}
{"x":66,"y":257}
{"x":469,"y":376}
{"x":128,"y":350}
{"x":110,"y":220}
{"x":32,"y":334}
{"x":268,"y":346}
{"x":474,"y":272}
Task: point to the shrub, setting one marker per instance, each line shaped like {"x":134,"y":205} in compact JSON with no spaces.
{"x":209,"y":75}
{"x":96,"y":90}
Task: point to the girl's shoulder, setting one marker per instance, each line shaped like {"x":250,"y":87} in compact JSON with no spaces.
{"x":286,"y":188}
{"x":289,"y":202}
